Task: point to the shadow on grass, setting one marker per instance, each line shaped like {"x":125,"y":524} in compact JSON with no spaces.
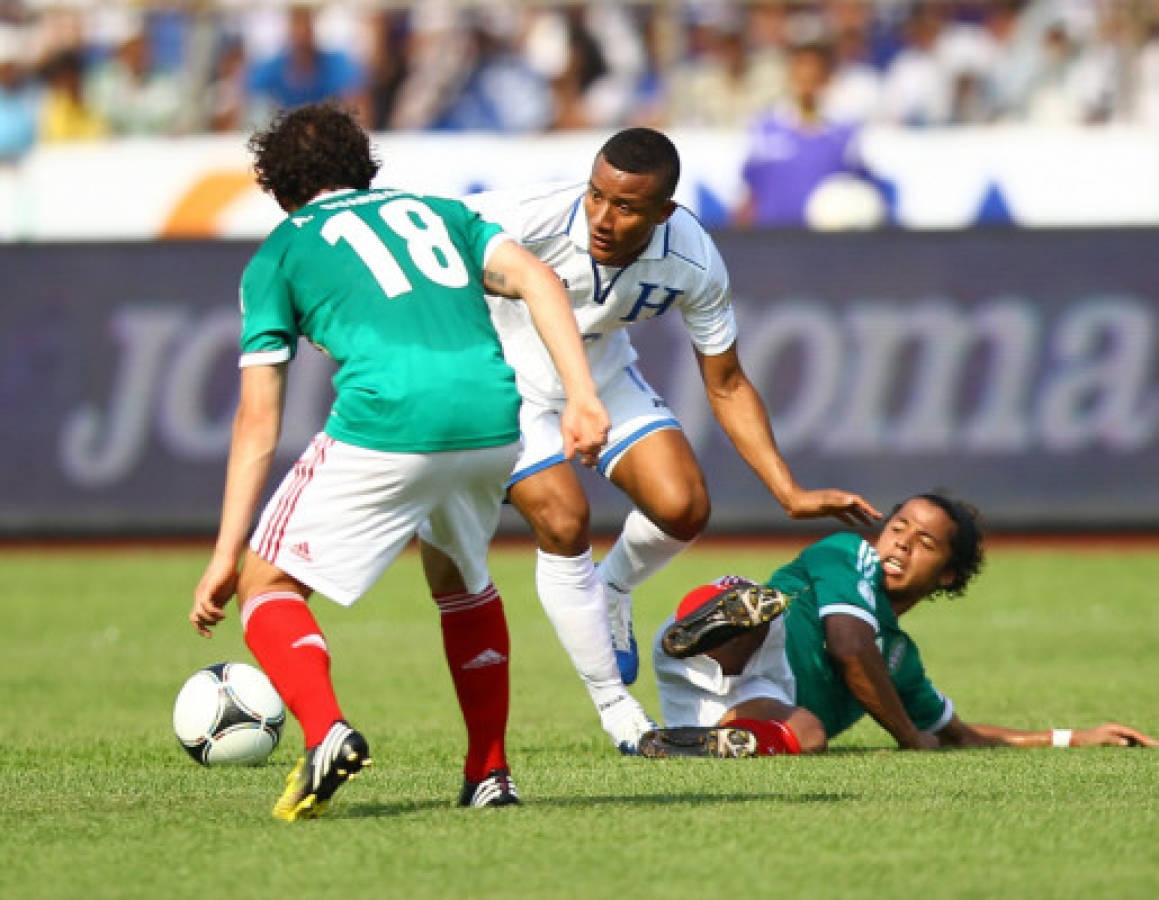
{"x":668,"y":799}
{"x":386,"y":810}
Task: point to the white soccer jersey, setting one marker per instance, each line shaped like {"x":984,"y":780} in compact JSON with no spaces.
{"x":680,"y":268}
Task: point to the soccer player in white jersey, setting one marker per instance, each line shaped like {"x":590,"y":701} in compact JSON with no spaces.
{"x":627,"y":253}
{"x":424,"y":428}
{"x":739,"y":675}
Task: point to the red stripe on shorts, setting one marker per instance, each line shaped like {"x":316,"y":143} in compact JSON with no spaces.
{"x":304,"y":469}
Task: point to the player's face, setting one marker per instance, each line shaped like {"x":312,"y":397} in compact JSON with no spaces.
{"x":622,"y":209}
{"x":914,"y":547}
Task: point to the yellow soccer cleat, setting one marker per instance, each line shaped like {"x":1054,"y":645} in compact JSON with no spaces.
{"x":342,"y":754}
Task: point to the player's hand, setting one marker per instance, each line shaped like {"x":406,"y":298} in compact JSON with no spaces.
{"x":217,"y":585}
{"x":584,"y":425}
{"x":851,"y":509}
{"x":1111,"y":734}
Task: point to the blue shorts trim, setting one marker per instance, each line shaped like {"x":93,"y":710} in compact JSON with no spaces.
{"x":553,"y":460}
{"x":613,"y":453}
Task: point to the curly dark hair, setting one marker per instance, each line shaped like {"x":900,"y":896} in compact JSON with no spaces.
{"x":966,"y":551}
{"x":645,"y":151}
{"x":310,"y":149}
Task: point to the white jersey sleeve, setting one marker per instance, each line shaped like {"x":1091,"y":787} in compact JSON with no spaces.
{"x":528,"y":213}
{"x":707,"y":311}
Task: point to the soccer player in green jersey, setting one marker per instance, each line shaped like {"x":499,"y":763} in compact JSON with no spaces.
{"x":424,"y":431}
{"x":747,"y":669}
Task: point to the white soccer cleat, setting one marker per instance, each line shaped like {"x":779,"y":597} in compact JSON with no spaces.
{"x":625,"y":722}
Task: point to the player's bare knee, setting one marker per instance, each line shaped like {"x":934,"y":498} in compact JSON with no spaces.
{"x":682,"y":515}
{"x":809,"y":730}
{"x":560,"y":530}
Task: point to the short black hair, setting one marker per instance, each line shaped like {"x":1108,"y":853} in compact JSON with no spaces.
{"x":309,"y":149}
{"x":966,"y":551}
{"x":645,"y":151}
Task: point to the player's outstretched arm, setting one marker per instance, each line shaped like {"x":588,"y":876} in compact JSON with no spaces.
{"x":976,"y":734}
{"x":850,"y":644}
{"x":256,"y":427}
{"x":514,"y":272}
{"x":741,"y":413}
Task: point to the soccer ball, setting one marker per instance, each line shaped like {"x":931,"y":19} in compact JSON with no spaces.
{"x":228,"y":714}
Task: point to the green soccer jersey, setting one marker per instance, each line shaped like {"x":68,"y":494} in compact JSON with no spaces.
{"x":389,"y":285}
{"x":841,"y":574}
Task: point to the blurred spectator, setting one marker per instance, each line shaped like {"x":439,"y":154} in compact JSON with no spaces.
{"x":581,"y":67}
{"x":853,"y":93}
{"x":480,"y":64}
{"x":387,"y":66}
{"x":1146,"y":106}
{"x":989,"y":59}
{"x":793,"y":151}
{"x":227,"y":108}
{"x":720,"y":83}
{"x":128,"y":92}
{"x":917,"y":89}
{"x":595,"y":59}
{"x":766,"y":27}
{"x":303,"y":72}
{"x":1068,"y":87}
{"x":440,"y":55}
{"x":64,"y":114}
{"x":502,"y":92}
{"x":18,"y":96}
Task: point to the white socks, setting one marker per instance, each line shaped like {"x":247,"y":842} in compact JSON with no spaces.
{"x":641,"y":550}
{"x":573,"y":598}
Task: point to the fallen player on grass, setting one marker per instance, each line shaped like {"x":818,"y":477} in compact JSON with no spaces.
{"x":746,"y":669}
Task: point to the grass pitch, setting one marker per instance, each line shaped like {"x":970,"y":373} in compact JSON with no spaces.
{"x":99,"y":800}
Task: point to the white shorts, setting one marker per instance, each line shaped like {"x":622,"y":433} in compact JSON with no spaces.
{"x":694,"y":691}
{"x":343,"y":513}
{"x":634,"y":408}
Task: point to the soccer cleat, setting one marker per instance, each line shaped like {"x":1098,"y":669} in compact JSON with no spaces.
{"x":624,"y":720}
{"x":731,"y":612}
{"x":720,"y":742}
{"x":341,"y":756}
{"x":496,"y":789}
{"x":623,"y":638}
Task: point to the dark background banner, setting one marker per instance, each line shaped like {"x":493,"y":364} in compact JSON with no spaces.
{"x":1017,"y":368}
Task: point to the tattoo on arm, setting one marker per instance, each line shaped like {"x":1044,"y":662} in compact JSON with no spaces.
{"x":495,"y":282}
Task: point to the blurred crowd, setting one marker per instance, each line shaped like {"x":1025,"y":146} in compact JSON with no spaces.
{"x":85,"y":70}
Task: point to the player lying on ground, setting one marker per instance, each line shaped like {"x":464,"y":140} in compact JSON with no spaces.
{"x":626,"y":253}
{"x":424,"y":428}
{"x":740,"y":675}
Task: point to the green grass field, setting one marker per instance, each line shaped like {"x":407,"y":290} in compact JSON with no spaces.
{"x":99,"y":801}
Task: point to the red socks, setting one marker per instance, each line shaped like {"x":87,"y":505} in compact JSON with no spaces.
{"x":477,"y":646}
{"x":773,"y":736}
{"x":285,"y":639}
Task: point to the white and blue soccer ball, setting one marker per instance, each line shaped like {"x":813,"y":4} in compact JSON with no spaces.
{"x":228,"y":714}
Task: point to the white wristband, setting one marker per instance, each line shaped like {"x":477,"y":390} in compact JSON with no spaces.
{"x":1060,"y":737}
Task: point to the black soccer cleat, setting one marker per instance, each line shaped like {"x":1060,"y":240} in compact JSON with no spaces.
{"x":342,"y":754}
{"x":496,"y":789}
{"x":730,"y":613}
{"x":719,"y":742}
